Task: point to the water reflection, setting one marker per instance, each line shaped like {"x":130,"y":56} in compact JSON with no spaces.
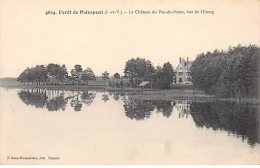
{"x":116,"y":96}
{"x":57,"y":103}
{"x":138,"y":109}
{"x":183,"y":106}
{"x":87,"y":97}
{"x":141,"y":109}
{"x":241,"y":119}
{"x":164,"y":106}
{"x":56,"y":100}
{"x":38,"y":98}
{"x":105,"y":97}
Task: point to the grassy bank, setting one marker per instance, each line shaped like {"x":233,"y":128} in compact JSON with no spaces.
{"x":173,"y":94}
{"x":134,"y":92}
{"x":71,"y":87}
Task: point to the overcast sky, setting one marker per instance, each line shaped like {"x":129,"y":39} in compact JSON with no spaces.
{"x":29,"y":37}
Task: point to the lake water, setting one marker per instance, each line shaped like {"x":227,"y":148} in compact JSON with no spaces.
{"x":90,"y":127}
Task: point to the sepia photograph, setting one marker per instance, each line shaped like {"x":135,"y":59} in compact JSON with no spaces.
{"x":128,"y":82}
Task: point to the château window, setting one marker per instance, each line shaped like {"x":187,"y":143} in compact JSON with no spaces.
{"x":180,"y":73}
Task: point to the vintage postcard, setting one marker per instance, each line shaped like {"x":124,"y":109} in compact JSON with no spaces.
{"x":129,"y":82}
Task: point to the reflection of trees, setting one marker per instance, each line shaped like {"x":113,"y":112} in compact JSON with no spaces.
{"x":105,"y":97}
{"x":78,"y":107}
{"x":53,"y":100}
{"x":116,"y":96}
{"x":81,"y":97}
{"x":141,"y":109}
{"x":87,"y":98}
{"x":57,"y":103}
{"x":241,"y":119}
{"x":138,"y":109}
{"x":37,"y":98}
{"x":164,"y":106}
{"x":75,"y":102}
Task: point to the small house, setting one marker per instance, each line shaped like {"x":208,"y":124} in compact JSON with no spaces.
{"x":144,"y":84}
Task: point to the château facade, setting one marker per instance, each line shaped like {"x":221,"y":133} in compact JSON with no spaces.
{"x":182,"y":72}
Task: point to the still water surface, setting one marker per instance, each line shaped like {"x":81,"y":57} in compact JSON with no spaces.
{"x":93,"y":127}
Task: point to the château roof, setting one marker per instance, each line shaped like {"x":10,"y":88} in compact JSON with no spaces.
{"x":184,"y":63}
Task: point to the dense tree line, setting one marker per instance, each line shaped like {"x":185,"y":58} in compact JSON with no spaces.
{"x":136,"y":71}
{"x":234,"y":73}
{"x":40,"y":74}
{"x":139,"y":69}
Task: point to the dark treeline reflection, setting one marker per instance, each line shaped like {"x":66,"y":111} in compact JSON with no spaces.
{"x":56,"y":100}
{"x":239,"y":119}
{"x":141,"y":109}
{"x":37,"y":99}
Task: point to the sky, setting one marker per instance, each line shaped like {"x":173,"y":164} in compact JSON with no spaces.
{"x":106,"y":42}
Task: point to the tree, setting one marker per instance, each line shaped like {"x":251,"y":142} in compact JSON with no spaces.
{"x":24,"y":76}
{"x":149,"y":71}
{"x":29,"y":75}
{"x":57,"y":71}
{"x":130,"y":70}
{"x":76,"y":72}
{"x":138,"y":70}
{"x":40,"y":73}
{"x":158,"y":77}
{"x":36,"y":74}
{"x":105,"y":76}
{"x":167,"y":75}
{"x":53,"y":69}
{"x":116,"y":77}
{"x":87,"y":75}
{"x":62,"y":73}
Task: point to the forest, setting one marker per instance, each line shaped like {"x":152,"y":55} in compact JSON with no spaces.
{"x":233,"y":73}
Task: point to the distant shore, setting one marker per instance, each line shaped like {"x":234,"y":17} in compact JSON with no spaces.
{"x":168,"y":93}
{"x":54,"y":87}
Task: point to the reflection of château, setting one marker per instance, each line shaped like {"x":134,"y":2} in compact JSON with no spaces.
{"x":183,"y":106}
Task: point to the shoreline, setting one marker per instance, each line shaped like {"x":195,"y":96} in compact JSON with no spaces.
{"x":186,"y":94}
